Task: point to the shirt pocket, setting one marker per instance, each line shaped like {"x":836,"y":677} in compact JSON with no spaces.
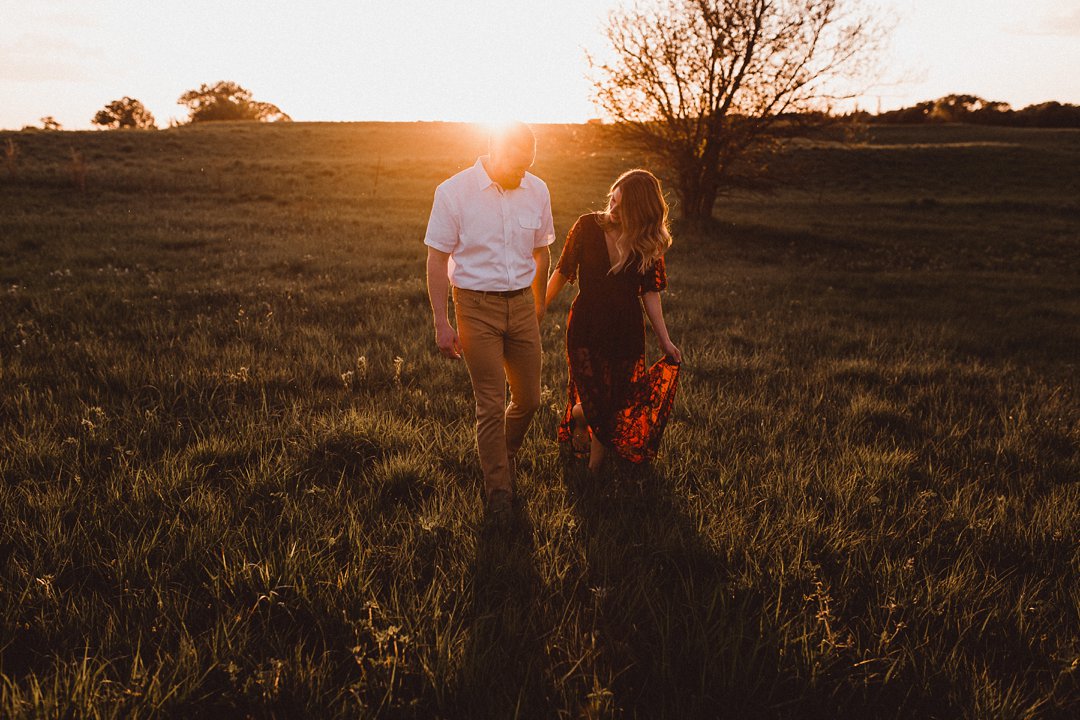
{"x":528,"y":221}
{"x":528,"y":224}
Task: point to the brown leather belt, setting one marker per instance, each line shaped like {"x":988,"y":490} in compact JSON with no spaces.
{"x":499,"y":293}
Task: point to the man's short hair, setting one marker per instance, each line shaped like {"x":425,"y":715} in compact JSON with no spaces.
{"x":514,"y":133}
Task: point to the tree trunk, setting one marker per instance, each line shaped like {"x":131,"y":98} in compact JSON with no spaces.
{"x":696,"y":198}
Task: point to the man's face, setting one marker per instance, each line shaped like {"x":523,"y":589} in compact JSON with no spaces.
{"x":509,"y":163}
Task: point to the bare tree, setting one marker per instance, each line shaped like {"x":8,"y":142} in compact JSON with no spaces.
{"x":705,"y":85}
{"x":124,"y":113}
{"x":228,"y":101}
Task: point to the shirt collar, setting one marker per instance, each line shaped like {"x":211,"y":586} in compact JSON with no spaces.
{"x":484,"y":181}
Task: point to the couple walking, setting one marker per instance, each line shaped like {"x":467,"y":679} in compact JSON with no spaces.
{"x":488,"y":238}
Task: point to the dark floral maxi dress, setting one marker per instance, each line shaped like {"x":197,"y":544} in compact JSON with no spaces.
{"x":626,"y":403}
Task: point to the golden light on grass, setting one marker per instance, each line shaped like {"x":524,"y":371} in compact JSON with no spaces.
{"x":866,"y":498}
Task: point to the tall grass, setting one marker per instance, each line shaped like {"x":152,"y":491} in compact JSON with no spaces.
{"x":235,"y":479}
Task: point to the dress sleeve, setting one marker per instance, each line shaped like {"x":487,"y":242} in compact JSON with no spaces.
{"x":570,"y":259}
{"x":655,"y":278}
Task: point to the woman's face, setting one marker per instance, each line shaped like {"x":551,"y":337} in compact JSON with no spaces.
{"x":613,"y":205}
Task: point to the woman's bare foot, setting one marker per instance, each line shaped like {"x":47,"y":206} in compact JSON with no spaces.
{"x":579,"y":431}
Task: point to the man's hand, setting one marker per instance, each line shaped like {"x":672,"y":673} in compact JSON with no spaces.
{"x":447,"y":340}
{"x":540,"y":312}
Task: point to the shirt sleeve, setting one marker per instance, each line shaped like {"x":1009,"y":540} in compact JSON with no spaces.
{"x":545,"y":235}
{"x":443,"y":229}
{"x":654,"y":279}
{"x":570,"y":258}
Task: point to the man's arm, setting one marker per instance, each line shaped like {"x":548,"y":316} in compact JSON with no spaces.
{"x":438,"y":286}
{"x":542,"y":258}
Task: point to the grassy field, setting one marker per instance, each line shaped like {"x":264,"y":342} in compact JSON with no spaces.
{"x":237,"y":481}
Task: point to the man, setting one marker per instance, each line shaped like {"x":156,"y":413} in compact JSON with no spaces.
{"x":488,"y":234}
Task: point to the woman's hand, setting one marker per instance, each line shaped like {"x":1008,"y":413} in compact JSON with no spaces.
{"x":651,"y":301}
{"x":671,"y":350}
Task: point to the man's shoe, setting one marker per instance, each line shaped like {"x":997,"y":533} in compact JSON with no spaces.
{"x":500,"y":509}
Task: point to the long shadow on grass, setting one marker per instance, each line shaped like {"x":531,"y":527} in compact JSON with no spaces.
{"x":674,"y":637}
{"x":503,"y":667}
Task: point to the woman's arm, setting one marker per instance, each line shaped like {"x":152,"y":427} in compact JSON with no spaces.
{"x":651,"y":301}
{"x":567,"y":267}
{"x":555,"y":285}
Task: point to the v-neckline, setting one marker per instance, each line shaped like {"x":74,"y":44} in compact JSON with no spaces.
{"x":607,"y":252}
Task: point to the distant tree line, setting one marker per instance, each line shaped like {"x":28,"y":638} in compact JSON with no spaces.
{"x":228,"y":101}
{"x":125,"y":113}
{"x":222,"y":101}
{"x":979,"y":111}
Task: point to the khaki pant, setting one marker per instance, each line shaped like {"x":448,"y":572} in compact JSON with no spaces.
{"x":501,"y":342}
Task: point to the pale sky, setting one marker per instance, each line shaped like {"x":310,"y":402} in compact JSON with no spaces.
{"x":456,"y":60}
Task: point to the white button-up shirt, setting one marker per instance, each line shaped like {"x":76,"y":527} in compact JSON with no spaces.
{"x":489,"y":232}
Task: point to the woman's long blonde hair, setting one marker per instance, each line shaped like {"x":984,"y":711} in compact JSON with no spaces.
{"x":643,"y":219}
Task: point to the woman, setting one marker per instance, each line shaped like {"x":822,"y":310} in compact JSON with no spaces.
{"x":617,"y":257}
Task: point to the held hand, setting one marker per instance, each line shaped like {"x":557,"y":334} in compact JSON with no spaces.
{"x":671,"y":351}
{"x":540,"y":312}
{"x":447,"y":340}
